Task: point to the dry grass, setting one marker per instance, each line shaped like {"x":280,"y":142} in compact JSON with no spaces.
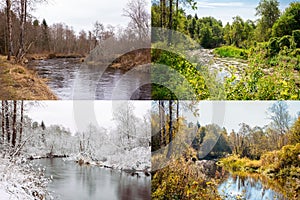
{"x":43,"y":56}
{"x":18,"y":83}
{"x":132,"y":59}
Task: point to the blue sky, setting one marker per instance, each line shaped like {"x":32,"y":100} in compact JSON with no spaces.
{"x":225,"y":10}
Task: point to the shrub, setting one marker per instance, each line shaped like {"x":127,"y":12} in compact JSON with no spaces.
{"x":296,"y":36}
{"x":285,"y":41}
{"x":273,"y":46}
{"x":182,"y":180}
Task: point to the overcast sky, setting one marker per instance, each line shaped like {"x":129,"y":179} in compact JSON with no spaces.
{"x":82,"y":14}
{"x":230,"y":114}
{"x":224,"y":10}
{"x":77,"y":115}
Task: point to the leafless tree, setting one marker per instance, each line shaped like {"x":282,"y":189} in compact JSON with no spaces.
{"x":9,"y":29}
{"x":21,"y":122}
{"x":14,"y":123}
{"x":3,"y":121}
{"x":136,"y":11}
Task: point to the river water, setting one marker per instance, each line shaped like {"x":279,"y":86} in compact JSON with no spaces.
{"x":248,"y":188}
{"x":72,"y":181}
{"x":69,"y":80}
{"x":223,"y":66}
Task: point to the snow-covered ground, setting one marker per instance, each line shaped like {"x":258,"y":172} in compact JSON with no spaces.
{"x":18,"y":181}
{"x":138,"y":158}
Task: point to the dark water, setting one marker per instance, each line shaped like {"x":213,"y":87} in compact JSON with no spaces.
{"x":71,"y":182}
{"x":246,"y":188}
{"x":68,"y":79}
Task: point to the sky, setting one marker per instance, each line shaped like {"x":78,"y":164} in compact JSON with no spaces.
{"x":225,"y":10}
{"x":230,"y":114}
{"x":77,"y":115}
{"x":82,"y":14}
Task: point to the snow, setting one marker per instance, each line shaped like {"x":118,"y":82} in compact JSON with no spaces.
{"x":137,"y":158}
{"x":18,"y":181}
{"x":3,"y":194}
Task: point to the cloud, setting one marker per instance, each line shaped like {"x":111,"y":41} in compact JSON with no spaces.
{"x":210,"y":4}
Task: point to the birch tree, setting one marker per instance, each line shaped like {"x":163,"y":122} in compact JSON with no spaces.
{"x":9,"y":29}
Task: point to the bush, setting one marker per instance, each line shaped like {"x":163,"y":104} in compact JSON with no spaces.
{"x":296,"y":36}
{"x":285,"y":41}
{"x":235,"y":163}
{"x":273,"y":46}
{"x":181,"y":77}
{"x":182,"y":180}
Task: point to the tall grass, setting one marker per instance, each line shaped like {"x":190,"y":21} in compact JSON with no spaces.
{"x":231,"y":52}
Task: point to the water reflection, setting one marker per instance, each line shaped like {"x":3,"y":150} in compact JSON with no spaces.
{"x":64,"y":74}
{"x":246,"y":188}
{"x":71,"y":181}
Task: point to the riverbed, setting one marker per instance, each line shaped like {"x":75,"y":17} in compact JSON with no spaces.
{"x":223,"y":66}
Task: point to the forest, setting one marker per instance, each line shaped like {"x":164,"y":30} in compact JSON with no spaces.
{"x":268,"y":46}
{"x":20,"y":29}
{"x":193,"y":166}
{"x":124,"y":147}
{"x":25,"y":42}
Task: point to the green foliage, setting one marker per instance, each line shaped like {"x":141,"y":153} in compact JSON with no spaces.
{"x":271,"y":73}
{"x":296,"y":36}
{"x":269,"y":12}
{"x":231,"y":51}
{"x":285,"y":41}
{"x":178,"y":75}
{"x":273,"y":46}
{"x":288,"y":22}
{"x":267,"y":77}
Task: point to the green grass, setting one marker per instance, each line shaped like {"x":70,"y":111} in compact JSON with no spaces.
{"x":231,"y":52}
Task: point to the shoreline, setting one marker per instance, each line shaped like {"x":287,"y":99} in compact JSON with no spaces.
{"x":20,"y":83}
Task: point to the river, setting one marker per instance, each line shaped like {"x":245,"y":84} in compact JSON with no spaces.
{"x":224,"y":66}
{"x":72,"y":181}
{"x":248,"y":188}
{"x":69,"y":80}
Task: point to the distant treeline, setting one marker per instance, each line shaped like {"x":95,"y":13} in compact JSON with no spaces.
{"x":211,"y":33}
{"x":22,"y":32}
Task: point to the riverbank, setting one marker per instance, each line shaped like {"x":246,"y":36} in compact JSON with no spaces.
{"x":281,"y":166}
{"x":45,"y":56}
{"x":133,"y":162}
{"x":18,"y":180}
{"x":132,"y":59}
{"x":17,"y":82}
